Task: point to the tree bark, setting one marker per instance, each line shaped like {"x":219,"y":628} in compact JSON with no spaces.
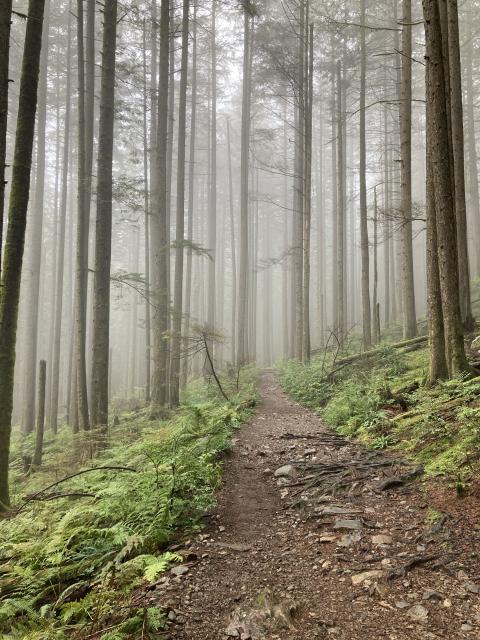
{"x":444,"y":197}
{"x":160,"y":240}
{"x":35,"y":244}
{"x":408,"y":285}
{"x":308,"y":199}
{"x":366,"y":311}
{"x":103,"y":227}
{"x":60,"y":267}
{"x":180,"y":216}
{"x":14,"y":246}
{"x":456,"y":119}
{"x":242,"y":325}
{"x":5,"y":20}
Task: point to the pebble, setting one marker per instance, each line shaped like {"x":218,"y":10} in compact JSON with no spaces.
{"x":382,"y":539}
{"x":348,"y":524}
{"x":287,"y":471}
{"x":366,"y":575}
{"x":418,"y":612}
{"x":181,"y":570}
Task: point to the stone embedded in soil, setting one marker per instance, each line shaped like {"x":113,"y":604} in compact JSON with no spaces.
{"x":418,"y":613}
{"x":402,"y":604}
{"x":472,"y":587}
{"x":336,"y":511}
{"x":231,"y":631}
{"x":348,"y":539}
{"x":327,"y":538}
{"x":348,"y":524}
{"x":359,"y":578}
{"x":382,"y":539}
{"x":466,"y":627}
{"x":431,"y":595}
{"x":287,"y":471}
{"x":181,"y":570}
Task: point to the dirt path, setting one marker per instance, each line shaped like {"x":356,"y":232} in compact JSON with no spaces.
{"x":268,"y":566}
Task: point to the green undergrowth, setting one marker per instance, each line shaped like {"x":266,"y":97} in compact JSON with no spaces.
{"x":384,"y":403}
{"x":69,"y":563}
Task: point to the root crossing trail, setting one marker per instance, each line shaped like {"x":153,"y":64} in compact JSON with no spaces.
{"x":281,"y":558}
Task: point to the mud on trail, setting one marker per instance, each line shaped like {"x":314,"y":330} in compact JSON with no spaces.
{"x":336,"y":544}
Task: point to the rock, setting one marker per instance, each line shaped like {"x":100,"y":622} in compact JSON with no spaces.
{"x":310,"y":452}
{"x":466,"y":627}
{"x":231,"y":631}
{"x":431,"y":595}
{"x":348,"y":524}
{"x":418,"y":612}
{"x":327,"y":538}
{"x":447,"y":603}
{"x":348,"y":539}
{"x":472,"y":587}
{"x":245,"y":636}
{"x":382,"y":539}
{"x":281,"y":482}
{"x":336,"y":511}
{"x":287,"y":471}
{"x":172,"y":616}
{"x":402,"y":604}
{"x":475,"y":345}
{"x":359,"y":578}
{"x":180,"y":570}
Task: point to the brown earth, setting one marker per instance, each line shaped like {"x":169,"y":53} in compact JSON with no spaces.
{"x":271,"y":558}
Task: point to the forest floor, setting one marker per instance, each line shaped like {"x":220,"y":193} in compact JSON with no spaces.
{"x":282,"y":558}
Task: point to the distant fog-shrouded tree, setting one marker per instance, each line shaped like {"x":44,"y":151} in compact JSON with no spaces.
{"x":180,"y":216}
{"x":242,"y":325}
{"x":83,"y":223}
{"x":364,"y":248}
{"x":408,"y":286}
{"x":159,"y":225}
{"x":103,"y":227}
{"x":62,"y":223}
{"x":15,"y":237}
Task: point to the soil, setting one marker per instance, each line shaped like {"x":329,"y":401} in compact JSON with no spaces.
{"x":269,"y":540}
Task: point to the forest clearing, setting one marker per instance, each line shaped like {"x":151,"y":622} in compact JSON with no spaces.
{"x":239,"y":319}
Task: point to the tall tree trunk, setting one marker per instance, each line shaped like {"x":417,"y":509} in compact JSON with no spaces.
{"x":386,"y":217}
{"x":366,"y":311}
{"x":443,"y":187}
{"x":191,"y":189}
{"x":473,"y":190}
{"x":456,"y":119}
{"x":82,"y":237}
{"x":299,"y":184}
{"x":242,"y":325}
{"x":375,"y":324}
{"x":232,"y":246}
{"x":340,"y":284}
{"x":436,"y":336}
{"x":180,"y":217}
{"x":334,"y":197}
{"x":17,"y":218}
{"x":146,"y":204}
{"x":35,"y":233}
{"x":60,"y":267}
{"x":160,"y":240}
{"x":408,"y":285}
{"x":212,"y":205}
{"x":103,"y":228}
{"x":308,"y":199}
{"x":5,"y":20}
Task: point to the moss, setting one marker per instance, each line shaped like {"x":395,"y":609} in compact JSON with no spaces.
{"x":385,"y":404}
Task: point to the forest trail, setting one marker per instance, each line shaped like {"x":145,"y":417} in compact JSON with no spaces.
{"x":268,"y":568}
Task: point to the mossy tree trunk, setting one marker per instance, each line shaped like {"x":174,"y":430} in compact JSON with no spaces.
{"x":15,"y":240}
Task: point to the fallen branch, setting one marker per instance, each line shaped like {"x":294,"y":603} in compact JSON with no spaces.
{"x":73,"y":475}
{"x":416,"y":561}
